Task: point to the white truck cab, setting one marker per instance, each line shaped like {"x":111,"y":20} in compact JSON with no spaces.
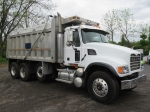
{"x":74,"y":50}
{"x":89,"y":45}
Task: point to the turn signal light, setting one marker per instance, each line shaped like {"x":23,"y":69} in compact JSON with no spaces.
{"x":123,"y":69}
{"x":120,"y":70}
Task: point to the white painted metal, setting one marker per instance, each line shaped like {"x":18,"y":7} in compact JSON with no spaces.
{"x":111,"y":54}
{"x":106,"y":53}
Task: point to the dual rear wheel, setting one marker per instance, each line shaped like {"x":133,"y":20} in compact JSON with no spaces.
{"x":21,"y":71}
{"x":24,"y":72}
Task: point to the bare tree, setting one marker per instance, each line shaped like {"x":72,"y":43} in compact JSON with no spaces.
{"x":38,"y":16}
{"x":19,"y":13}
{"x":126,"y":24}
{"x":110,"y":21}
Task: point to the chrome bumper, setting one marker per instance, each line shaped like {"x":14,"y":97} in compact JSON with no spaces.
{"x":128,"y":84}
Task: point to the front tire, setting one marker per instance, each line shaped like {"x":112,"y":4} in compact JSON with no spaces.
{"x":14,"y":70}
{"x":103,"y":87}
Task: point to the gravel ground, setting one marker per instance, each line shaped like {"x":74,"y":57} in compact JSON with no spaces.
{"x":18,"y":96}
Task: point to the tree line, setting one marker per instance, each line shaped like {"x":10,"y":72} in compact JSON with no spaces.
{"x":144,"y":43}
{"x":120,"y":23}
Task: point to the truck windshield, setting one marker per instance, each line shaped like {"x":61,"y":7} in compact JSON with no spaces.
{"x":90,"y":35}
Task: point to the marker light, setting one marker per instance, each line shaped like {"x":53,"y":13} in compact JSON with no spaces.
{"x":74,"y":17}
{"x":97,"y":26}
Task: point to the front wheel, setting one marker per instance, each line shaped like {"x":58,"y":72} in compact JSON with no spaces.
{"x":103,"y":87}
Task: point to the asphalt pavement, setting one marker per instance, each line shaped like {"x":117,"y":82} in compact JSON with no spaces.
{"x":18,"y":96}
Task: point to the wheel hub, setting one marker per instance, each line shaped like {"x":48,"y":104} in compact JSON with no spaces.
{"x":100,"y":87}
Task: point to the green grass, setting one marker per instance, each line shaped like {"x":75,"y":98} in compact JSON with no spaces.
{"x":3,"y":60}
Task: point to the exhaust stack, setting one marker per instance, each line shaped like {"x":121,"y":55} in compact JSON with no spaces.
{"x":60,"y":41}
{"x":59,"y":22}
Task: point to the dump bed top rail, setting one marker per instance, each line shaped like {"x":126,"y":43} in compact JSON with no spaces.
{"x":30,"y":30}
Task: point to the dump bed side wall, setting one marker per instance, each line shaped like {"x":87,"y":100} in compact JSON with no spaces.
{"x":19,"y":45}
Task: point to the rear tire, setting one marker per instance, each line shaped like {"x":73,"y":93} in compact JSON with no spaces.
{"x":103,"y":87}
{"x":24,"y":72}
{"x":39,"y":75}
{"x":14,"y":70}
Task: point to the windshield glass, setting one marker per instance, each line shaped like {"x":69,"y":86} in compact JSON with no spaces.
{"x":90,"y":35}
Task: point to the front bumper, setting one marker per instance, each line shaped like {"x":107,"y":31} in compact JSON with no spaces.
{"x":128,"y":84}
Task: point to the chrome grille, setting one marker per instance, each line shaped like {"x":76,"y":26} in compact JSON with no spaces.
{"x":135,"y":62}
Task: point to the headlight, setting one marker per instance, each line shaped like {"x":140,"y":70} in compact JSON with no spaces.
{"x":123,"y":69}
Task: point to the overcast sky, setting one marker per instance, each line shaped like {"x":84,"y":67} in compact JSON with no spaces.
{"x":94,"y":9}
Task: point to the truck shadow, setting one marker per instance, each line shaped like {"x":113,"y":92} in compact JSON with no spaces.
{"x":123,"y":97}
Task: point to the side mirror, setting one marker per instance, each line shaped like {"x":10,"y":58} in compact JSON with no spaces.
{"x":70,"y":36}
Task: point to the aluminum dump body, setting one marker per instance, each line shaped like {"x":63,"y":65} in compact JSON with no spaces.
{"x":21,"y":41}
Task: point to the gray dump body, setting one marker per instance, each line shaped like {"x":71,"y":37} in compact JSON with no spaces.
{"x":24,"y":44}
{"x":20,"y":42}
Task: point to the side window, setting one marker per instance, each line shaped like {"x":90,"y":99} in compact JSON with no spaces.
{"x":76,"y":39}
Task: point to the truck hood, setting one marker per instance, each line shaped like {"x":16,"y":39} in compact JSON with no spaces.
{"x":111,"y":50}
{"x":105,"y":47}
{"x":110,"y":54}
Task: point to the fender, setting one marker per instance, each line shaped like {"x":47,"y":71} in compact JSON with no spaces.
{"x":103,"y":65}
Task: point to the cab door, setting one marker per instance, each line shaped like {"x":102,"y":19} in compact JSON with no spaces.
{"x":73,"y":52}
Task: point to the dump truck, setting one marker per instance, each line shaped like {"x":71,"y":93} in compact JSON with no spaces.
{"x":76,"y":51}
